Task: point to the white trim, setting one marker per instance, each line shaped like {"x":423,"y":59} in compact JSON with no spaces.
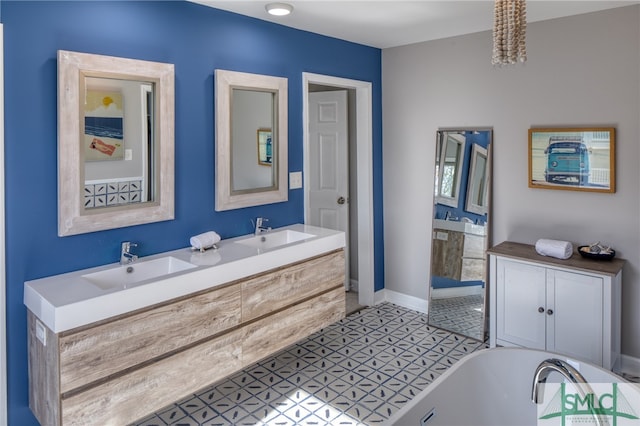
{"x":404,"y":300}
{"x":630,"y":365}
{"x":364,"y":149}
{"x":443,"y":293}
{"x":3,"y":274}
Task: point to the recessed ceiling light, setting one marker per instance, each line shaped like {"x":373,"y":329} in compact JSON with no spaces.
{"x":279,"y":9}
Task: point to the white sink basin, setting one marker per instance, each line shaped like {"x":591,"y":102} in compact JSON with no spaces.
{"x":128,"y":275}
{"x":270,"y":240}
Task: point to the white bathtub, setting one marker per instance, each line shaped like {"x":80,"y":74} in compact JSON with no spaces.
{"x":491,"y":387}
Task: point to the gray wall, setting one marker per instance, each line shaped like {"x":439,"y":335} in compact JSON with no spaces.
{"x":582,"y":71}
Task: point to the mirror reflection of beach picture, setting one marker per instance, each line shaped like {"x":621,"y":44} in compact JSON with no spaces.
{"x":579,"y":159}
{"x":103,"y":129}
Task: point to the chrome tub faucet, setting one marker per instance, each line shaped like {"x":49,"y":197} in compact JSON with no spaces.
{"x":126,"y":257}
{"x":569,"y":373}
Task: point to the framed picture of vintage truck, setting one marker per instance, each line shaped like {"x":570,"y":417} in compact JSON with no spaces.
{"x":577,"y":159}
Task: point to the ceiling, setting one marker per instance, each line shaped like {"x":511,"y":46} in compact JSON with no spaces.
{"x":384,"y":24}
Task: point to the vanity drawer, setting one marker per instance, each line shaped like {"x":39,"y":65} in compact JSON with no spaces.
{"x":127,"y":398}
{"x":269,"y":335}
{"x":97,"y":352}
{"x":269,"y":292}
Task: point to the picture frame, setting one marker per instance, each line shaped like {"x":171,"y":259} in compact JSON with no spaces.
{"x":574,"y":159}
{"x":265,"y":147}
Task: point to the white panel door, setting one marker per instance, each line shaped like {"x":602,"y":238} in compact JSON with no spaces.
{"x":574,"y":327}
{"x":520,"y":295}
{"x":328,"y":153}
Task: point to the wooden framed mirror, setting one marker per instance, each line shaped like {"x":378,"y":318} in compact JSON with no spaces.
{"x":248,"y":105}
{"x":115,"y":142}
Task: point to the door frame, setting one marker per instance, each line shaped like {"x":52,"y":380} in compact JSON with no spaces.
{"x":364,"y":176}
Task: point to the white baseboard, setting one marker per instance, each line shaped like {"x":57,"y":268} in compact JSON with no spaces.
{"x":443,"y":293}
{"x":630,"y":365}
{"x":409,"y":302}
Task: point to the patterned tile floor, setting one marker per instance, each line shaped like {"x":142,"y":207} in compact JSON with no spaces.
{"x":463,"y":314}
{"x":358,"y":371}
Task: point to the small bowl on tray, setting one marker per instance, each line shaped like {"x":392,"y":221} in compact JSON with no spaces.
{"x":588,"y":253}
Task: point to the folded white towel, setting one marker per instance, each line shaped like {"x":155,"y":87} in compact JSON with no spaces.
{"x":554,"y":248}
{"x":205,"y":240}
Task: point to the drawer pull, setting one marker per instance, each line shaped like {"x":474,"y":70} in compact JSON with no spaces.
{"x":550,"y":312}
{"x":541,"y":309}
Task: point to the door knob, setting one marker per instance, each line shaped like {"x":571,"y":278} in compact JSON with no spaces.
{"x":341,"y":200}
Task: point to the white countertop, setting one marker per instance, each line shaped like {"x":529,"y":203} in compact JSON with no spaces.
{"x":66,"y":301}
{"x":468,"y":228}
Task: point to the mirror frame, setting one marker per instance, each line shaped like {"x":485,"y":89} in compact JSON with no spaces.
{"x":226,"y":198}
{"x":73,"y":67}
{"x":472,"y":185}
{"x":444,"y":199}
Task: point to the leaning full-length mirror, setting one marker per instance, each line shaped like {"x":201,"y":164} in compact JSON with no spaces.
{"x":460,"y":230}
{"x":115,"y":142}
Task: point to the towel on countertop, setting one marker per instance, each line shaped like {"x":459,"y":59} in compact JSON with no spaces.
{"x":205,"y":240}
{"x":554,"y":248}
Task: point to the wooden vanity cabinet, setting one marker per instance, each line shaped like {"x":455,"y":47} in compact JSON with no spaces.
{"x":119,"y":370}
{"x":447,"y":253}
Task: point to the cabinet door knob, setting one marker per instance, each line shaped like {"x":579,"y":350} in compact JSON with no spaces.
{"x":550,"y":312}
{"x":541,"y":309}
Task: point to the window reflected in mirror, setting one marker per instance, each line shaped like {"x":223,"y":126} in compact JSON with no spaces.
{"x":477,"y":186}
{"x":451,"y":148}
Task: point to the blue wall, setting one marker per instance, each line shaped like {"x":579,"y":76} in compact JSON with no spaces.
{"x":197,"y":40}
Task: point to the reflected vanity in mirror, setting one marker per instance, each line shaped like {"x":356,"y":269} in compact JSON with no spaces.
{"x":457,"y":293}
{"x":251,"y":139}
{"x":115,"y":142}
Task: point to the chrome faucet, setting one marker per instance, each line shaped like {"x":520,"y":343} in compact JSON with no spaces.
{"x":565,"y":370}
{"x":260,"y":228}
{"x":126,"y":257}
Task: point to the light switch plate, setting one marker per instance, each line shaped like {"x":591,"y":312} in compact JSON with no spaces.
{"x":128,"y":154}
{"x":295,"y":180}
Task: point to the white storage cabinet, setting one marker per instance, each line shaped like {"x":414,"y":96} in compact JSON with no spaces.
{"x":571,"y":306}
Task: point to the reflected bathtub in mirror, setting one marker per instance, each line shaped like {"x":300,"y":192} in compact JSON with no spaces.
{"x":460,"y":231}
{"x":250,"y":171}
{"x":115,"y":142}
